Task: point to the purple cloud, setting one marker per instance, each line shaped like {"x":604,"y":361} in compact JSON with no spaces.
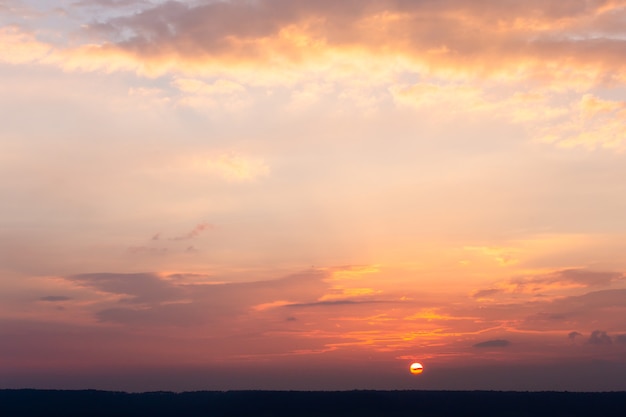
{"x":599,"y":337}
{"x":496,"y":343}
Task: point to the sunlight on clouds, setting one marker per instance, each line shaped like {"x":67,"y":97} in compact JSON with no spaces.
{"x":503,"y":256}
{"x":237,"y":168}
{"x":340,"y":293}
{"x":458,"y":97}
{"x":592,"y":124}
{"x":273,"y":304}
{"x":430,"y":314}
{"x":18,"y":47}
{"x":230,"y":166}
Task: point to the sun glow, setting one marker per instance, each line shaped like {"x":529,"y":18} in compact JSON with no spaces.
{"x":416,"y":368}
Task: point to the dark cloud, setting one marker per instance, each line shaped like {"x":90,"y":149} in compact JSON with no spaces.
{"x":620,"y":338}
{"x":569,"y":276}
{"x":492,"y":343}
{"x":573,"y":335}
{"x":184,"y":314}
{"x":140,"y":288}
{"x":557,"y":314}
{"x":590,"y":278}
{"x":155,"y":300}
{"x":593,"y":300}
{"x":486,"y":293}
{"x":542,"y":316}
{"x":55,"y":298}
{"x":599,"y":337}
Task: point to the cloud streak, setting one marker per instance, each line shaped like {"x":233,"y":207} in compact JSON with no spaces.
{"x":496,"y":343}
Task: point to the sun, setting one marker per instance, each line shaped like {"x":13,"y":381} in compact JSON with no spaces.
{"x":416,"y":368}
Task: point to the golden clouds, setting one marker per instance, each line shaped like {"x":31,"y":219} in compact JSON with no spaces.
{"x":481,"y":39}
{"x":232,"y":167}
{"x":19,"y":47}
{"x":592,"y":123}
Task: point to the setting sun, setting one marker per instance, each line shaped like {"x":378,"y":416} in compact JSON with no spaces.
{"x":416,"y":368}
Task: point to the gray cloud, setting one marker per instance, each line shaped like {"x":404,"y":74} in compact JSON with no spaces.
{"x":55,"y":298}
{"x":620,"y":338}
{"x":157,"y":301}
{"x":486,"y":293}
{"x":492,"y":343}
{"x":590,"y":278}
{"x":573,"y":335}
{"x":195,"y":232}
{"x":186,"y":314}
{"x":543,"y":316}
{"x":572,"y":276}
{"x":141,"y":288}
{"x":599,"y":337}
{"x":593,"y":300}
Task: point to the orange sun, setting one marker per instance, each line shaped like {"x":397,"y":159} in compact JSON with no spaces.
{"x":416,"y":368}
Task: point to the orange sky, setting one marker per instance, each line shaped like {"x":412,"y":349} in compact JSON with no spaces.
{"x":290,"y":194}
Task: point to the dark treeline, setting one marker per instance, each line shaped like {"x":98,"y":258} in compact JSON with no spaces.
{"x":90,"y":403}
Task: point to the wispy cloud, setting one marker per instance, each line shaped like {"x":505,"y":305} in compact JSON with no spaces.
{"x":496,"y":343}
{"x":55,"y":298}
{"x":195,"y":232}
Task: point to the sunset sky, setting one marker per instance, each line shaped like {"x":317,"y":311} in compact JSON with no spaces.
{"x":312,"y":194}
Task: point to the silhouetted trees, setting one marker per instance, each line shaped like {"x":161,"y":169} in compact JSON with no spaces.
{"x":90,"y":403}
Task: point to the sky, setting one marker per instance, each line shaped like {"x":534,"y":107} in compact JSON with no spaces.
{"x":312,"y":195}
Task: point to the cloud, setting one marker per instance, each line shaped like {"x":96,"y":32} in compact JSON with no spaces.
{"x":593,"y":123}
{"x":183,"y":314}
{"x":599,"y":337}
{"x":55,"y":298}
{"x":139,"y":288}
{"x":155,"y":300}
{"x":235,"y":167}
{"x":195,"y":232}
{"x":332,"y":303}
{"x":620,"y":338}
{"x":573,"y":335}
{"x":18,"y":46}
{"x":604,"y":299}
{"x":563,"y":313}
{"x":543,"y":316}
{"x":492,"y":343}
{"x":486,"y":293}
{"x":577,"y":277}
{"x":553,"y":282}
{"x":280,"y":40}
{"x":481,"y":37}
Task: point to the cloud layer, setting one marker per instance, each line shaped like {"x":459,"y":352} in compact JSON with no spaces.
{"x":315,"y":190}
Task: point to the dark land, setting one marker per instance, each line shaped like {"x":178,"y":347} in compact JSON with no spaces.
{"x":91,"y":403}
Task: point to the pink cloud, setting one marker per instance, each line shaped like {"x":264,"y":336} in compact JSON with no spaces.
{"x":195,"y":232}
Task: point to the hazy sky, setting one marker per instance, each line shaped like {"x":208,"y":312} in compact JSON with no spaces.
{"x":299,"y":194}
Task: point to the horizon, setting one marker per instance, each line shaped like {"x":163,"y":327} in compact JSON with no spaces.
{"x":313,"y":194}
